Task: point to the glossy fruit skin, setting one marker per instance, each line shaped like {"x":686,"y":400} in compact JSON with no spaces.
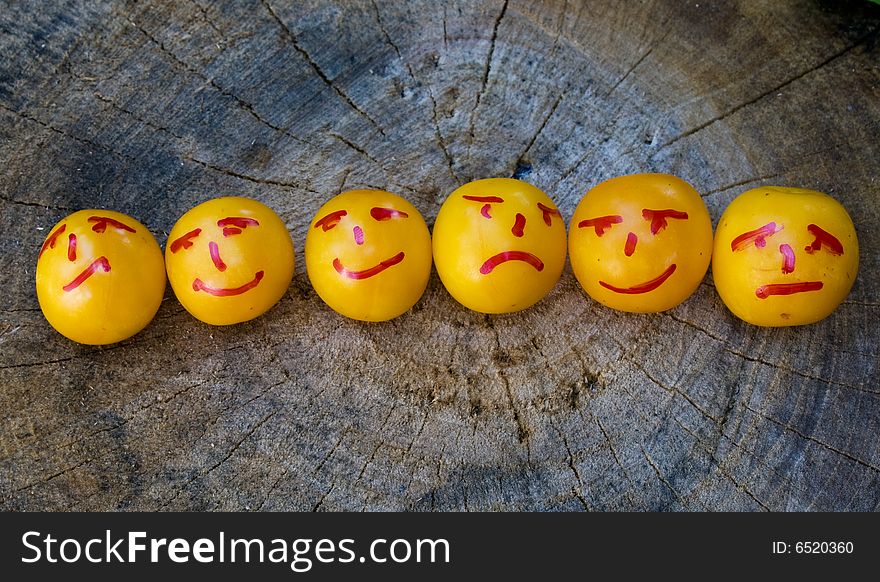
{"x":635,"y":252}
{"x":229,"y":260}
{"x":100,"y":277}
{"x":472,"y":227}
{"x":746,"y":267}
{"x":368,"y":254}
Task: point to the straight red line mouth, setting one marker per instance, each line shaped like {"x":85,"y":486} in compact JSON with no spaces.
{"x":199,"y":285}
{"x":765,"y":291}
{"x":367,"y":273}
{"x":644,"y":287}
{"x":523,"y":256}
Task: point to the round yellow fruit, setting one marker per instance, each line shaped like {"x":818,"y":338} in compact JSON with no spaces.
{"x":499,"y":245}
{"x":784,"y":256}
{"x":229,"y":260}
{"x":641,"y":243}
{"x":100,"y":277}
{"x":368,"y":254}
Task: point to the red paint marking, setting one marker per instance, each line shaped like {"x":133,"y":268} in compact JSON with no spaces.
{"x":757,"y":236}
{"x":832,"y":245}
{"x":601,"y":223}
{"x":231,"y":231}
{"x":185,"y":241}
{"x":644,"y":287}
{"x":658,"y":218}
{"x":787,"y":259}
{"x":519,"y":225}
{"x":198,"y":285}
{"x":358,"y":235}
{"x":548,"y":213}
{"x":387,"y":213}
{"x":102,"y":222}
{"x":485,"y":210}
{"x":329,"y":221}
{"x":765,"y":291}
{"x":496,"y":260}
{"x":50,"y":242}
{"x":237,"y":221}
{"x":71,"y":247}
{"x":367,"y":273}
{"x":630,"y":247}
{"x":486,"y":199}
{"x":100,"y":263}
{"x":215,"y":256}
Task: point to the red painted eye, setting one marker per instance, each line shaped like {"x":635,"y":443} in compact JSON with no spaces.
{"x":757,"y":236}
{"x":185,"y":241}
{"x":50,"y":242}
{"x":832,"y":245}
{"x":548,"y":213}
{"x":601,"y":223}
{"x":327,"y":222}
{"x":658,"y":218}
{"x":102,"y":222}
{"x":387,"y":213}
{"x":487,"y":201}
{"x":233,"y":225}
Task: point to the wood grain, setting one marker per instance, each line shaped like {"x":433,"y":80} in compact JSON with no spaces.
{"x":149,"y":108}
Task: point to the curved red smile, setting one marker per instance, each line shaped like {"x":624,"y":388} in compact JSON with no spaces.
{"x":367,"y":273}
{"x":644,"y":287}
{"x":199,"y":285}
{"x":496,"y":260}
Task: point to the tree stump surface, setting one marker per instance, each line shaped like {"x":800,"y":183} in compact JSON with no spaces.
{"x":150,"y":108}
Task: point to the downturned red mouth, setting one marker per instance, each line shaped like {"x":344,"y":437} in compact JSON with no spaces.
{"x":496,"y":260}
{"x":367,"y":273}
{"x":765,"y":291}
{"x":199,"y":285}
{"x":644,"y":287}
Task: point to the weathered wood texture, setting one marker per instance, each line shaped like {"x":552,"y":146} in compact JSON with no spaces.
{"x":151,"y":107}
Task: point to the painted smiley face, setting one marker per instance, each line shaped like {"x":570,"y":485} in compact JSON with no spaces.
{"x":784,"y":256}
{"x":499,"y":245}
{"x":641,"y":243}
{"x":100,"y":277}
{"x":229,"y":260}
{"x":368,"y":254}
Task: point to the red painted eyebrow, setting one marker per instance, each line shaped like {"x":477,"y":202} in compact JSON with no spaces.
{"x":658,"y":217}
{"x":235,"y":224}
{"x":387,"y":213}
{"x":548,"y":213}
{"x":757,"y":236}
{"x":601,"y":223}
{"x":832,"y":244}
{"x":327,"y":222}
{"x":486,"y":199}
{"x":102,"y":222}
{"x":185,"y":241}
{"x":50,"y":242}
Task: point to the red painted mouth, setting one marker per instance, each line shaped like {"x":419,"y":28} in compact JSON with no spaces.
{"x":644,"y":287}
{"x":99,"y":264}
{"x":199,"y":285}
{"x":529,"y":258}
{"x":765,"y":291}
{"x":367,"y":273}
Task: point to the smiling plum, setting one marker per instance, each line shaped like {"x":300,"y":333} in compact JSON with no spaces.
{"x":499,"y":245}
{"x":368,"y":254}
{"x":229,"y":260}
{"x":784,"y":256}
{"x":100,"y":277}
{"x":641,"y":243}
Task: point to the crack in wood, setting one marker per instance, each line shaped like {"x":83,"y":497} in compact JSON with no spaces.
{"x":288,"y":33}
